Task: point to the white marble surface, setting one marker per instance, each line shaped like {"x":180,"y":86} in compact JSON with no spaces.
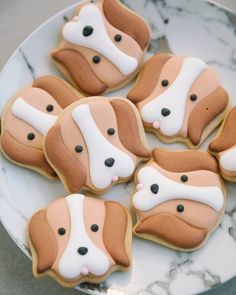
{"x":184,"y":27}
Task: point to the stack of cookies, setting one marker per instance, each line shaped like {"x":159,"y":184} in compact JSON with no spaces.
{"x":67,"y":130}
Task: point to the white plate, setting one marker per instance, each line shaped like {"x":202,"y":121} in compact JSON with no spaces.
{"x":194,"y":28}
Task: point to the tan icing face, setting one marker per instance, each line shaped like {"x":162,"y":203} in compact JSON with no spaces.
{"x":205,"y":84}
{"x":18,"y":128}
{"x":106,"y":71}
{"x":72,"y":135}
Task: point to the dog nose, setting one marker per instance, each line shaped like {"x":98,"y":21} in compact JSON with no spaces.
{"x":87,"y":31}
{"x":154,"y":188}
{"x":109,"y":162}
{"x":82,"y":250}
{"x":165,"y":112}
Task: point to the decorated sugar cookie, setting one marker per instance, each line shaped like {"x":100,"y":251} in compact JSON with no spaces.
{"x":28,"y":116}
{"x":224,"y":146}
{"x":95,"y":143}
{"x":179,"y":98}
{"x":179,"y":199}
{"x":80,"y":239}
{"x":102,"y":47}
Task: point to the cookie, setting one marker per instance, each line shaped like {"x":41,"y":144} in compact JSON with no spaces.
{"x":179,"y":98}
{"x":95,"y":143}
{"x":179,"y":199}
{"x":223,"y":147}
{"x":80,"y":239}
{"x":102,"y":47}
{"x":28,"y":116}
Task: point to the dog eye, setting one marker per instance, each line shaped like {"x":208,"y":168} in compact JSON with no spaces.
{"x":164,"y":82}
{"x":180,"y":208}
{"x":118,"y":38}
{"x":61,"y":231}
{"x":94,"y":227}
{"x":31,"y":136}
{"x":184,"y":178}
{"x":49,"y":108}
{"x":111,"y":131}
{"x":193,"y":97}
{"x":79,"y":149}
{"x":154,"y":188}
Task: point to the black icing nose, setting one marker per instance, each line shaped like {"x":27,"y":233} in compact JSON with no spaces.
{"x":165,"y":112}
{"x":109,"y":162}
{"x":87,"y":31}
{"x":154,"y":188}
{"x":82,"y":250}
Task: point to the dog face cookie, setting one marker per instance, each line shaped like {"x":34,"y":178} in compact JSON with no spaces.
{"x":179,"y":98}
{"x":224,"y":146}
{"x":80,"y":239}
{"x":102,"y":47}
{"x":28,"y":116}
{"x":179,"y":199}
{"x":96,"y":143}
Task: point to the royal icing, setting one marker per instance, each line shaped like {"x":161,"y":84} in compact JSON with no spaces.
{"x":98,"y":40}
{"x":72,"y":264}
{"x":168,"y":189}
{"x":228,"y":160}
{"x":107,"y":162}
{"x":37,"y":119}
{"x":167,"y":110}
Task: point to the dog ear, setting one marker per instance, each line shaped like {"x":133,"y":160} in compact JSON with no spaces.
{"x":227,"y":137}
{"x":68,"y":166}
{"x":148,"y":77}
{"x":58,"y":89}
{"x":80,"y":71}
{"x":129,"y":125}
{"x":127,"y":21}
{"x":114,"y":232}
{"x":24,"y":154}
{"x":205,"y":112}
{"x":184,"y":161}
{"x":43,"y":240}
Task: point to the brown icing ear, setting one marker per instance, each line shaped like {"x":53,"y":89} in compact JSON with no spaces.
{"x":227,"y":138}
{"x":205,"y":112}
{"x":68,"y":166}
{"x":24,"y":154}
{"x":184,"y":161}
{"x":114,"y":232}
{"x":172,"y":230}
{"x":80,"y":71}
{"x":57,"y":88}
{"x":128,"y":128}
{"x":148,"y":77}
{"x":128,"y":22}
{"x":43,"y":240}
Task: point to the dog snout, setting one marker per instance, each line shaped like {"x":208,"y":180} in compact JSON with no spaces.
{"x":165,"y":112}
{"x":82,"y":250}
{"x":109,"y":162}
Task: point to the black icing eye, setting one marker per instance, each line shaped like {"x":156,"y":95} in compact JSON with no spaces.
{"x":31,"y":136}
{"x":111,"y":131}
{"x":78,"y":148}
{"x":164,"y":82}
{"x":118,"y":37}
{"x":180,"y":208}
{"x":184,"y":178}
{"x":193,"y":97}
{"x":87,"y":31}
{"x":154,"y":188}
{"x":96,"y":59}
{"x":50,"y":108}
{"x":61,"y":231}
{"x":94,"y":227}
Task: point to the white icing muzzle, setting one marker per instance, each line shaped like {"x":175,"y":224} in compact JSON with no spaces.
{"x":99,"y":39}
{"x":168,"y":189}
{"x":73,"y":264}
{"x":34,"y":117}
{"x":106,"y":161}
{"x":228,"y":160}
{"x":173,"y":100}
